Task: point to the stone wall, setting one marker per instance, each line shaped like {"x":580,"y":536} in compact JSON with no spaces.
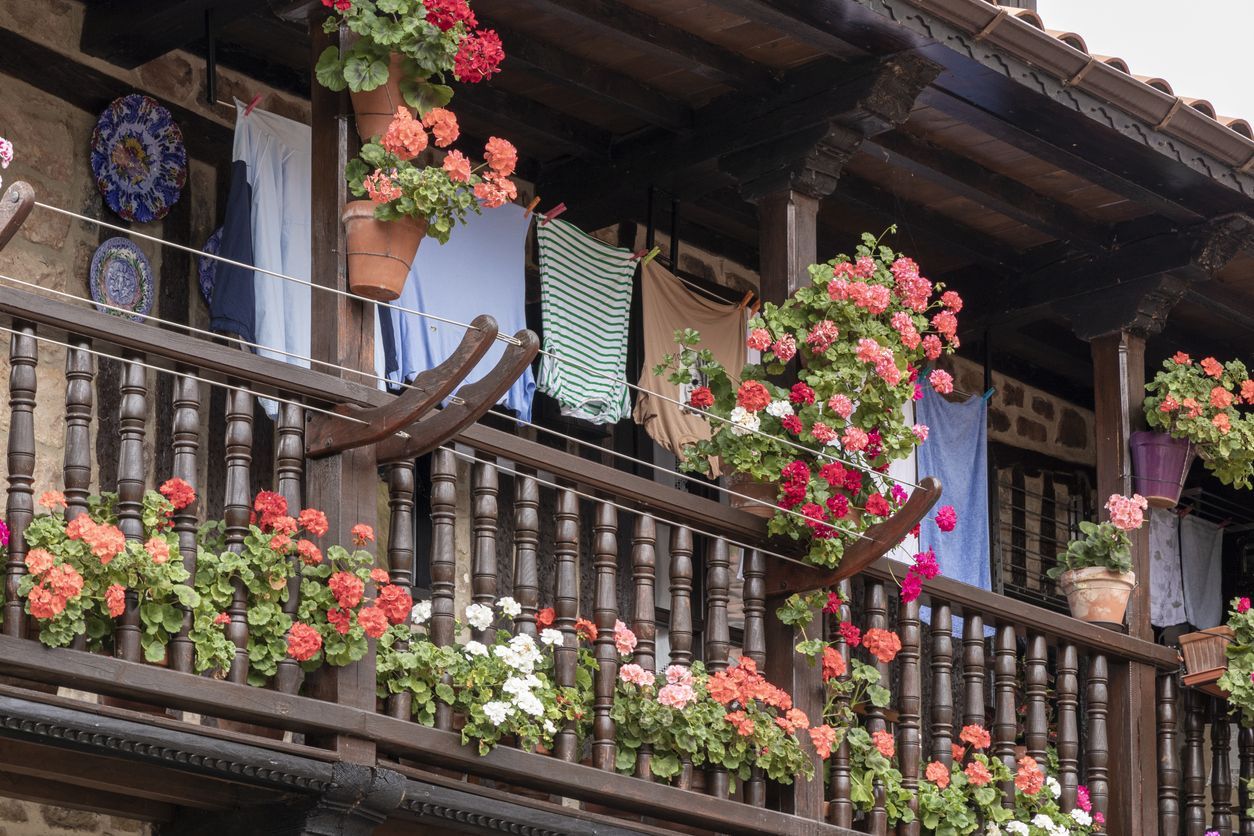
{"x":26,"y":818}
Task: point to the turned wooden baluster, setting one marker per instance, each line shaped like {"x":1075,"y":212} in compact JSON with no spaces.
{"x":236,"y":509}
{"x":1168,"y":756}
{"x":644,"y":613}
{"x":401,"y":557}
{"x":973,"y":671}
{"x":942,"y":707}
{"x":840,"y":786}
{"x":1194,"y":765}
{"x":484,"y":491}
{"x":717,"y":635}
{"x":1245,"y":746}
{"x":877,"y":616}
{"x":186,"y":443}
{"x":754,"y":594}
{"x":133,"y":416}
{"x":1097,"y":749}
{"x":605,"y":615}
{"x":1036,"y":678}
{"x":1220,"y":769}
{"x":566,"y":609}
{"x":20,"y":502}
{"x":443,"y":561}
{"x":1068,"y":684}
{"x":79,"y":374}
{"x":526,"y":543}
{"x":289,"y":472}
{"x":910,"y":706}
{"x":681,"y":616}
{"x":1004,"y":719}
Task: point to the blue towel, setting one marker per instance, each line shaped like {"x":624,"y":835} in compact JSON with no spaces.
{"x":956,"y":452}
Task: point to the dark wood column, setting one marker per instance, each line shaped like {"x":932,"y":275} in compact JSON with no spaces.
{"x":344,"y":485}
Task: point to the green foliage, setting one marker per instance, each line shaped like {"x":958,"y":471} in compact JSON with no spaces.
{"x":1237,"y":678}
{"x":1190,"y":402}
{"x":1102,"y":544}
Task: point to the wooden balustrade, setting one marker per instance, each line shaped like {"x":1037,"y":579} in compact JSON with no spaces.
{"x":1001,"y":656}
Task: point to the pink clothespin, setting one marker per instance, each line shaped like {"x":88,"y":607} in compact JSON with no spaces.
{"x":248,"y":111}
{"x":553,"y":213}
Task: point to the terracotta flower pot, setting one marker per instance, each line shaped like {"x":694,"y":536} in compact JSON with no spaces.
{"x":1160,"y":464}
{"x":766,"y":492}
{"x":379,"y":252}
{"x":1096,"y":594}
{"x":1206,"y":658}
{"x":376,"y":108}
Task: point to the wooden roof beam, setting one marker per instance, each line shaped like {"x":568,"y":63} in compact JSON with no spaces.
{"x":647,"y":33}
{"x":525,"y":116}
{"x":991,"y":189}
{"x":128,"y":33}
{"x":574,"y":72}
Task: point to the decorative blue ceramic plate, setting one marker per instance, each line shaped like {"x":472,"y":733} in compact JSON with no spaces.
{"x":208,"y":267}
{"x":121,"y":276}
{"x":138,"y":158}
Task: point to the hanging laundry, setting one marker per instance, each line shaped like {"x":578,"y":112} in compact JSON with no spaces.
{"x":481,"y":270}
{"x":1166,"y":582}
{"x":669,"y":307}
{"x":268,"y":225}
{"x":585,"y":309}
{"x":956,"y":452}
{"x":1201,"y":553}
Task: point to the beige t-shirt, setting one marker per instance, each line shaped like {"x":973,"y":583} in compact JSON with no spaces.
{"x":668,"y":307}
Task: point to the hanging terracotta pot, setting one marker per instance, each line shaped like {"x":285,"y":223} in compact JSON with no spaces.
{"x":1160,"y":465}
{"x":1206,"y":658}
{"x":764,"y":492}
{"x":376,"y":108}
{"x":379,"y":252}
{"x":1097,"y":594}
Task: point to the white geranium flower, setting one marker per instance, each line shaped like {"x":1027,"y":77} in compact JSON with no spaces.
{"x":1055,"y":789}
{"x":549,"y":727}
{"x":521,"y":653}
{"x":479,"y":616}
{"x":744,"y":421}
{"x":474,"y":648}
{"x":1081,"y":818}
{"x":551,"y":637}
{"x":528,"y":703}
{"x":510,"y":607}
{"x":421,"y":613}
{"x":496,"y":711}
{"x":1017,"y":827}
{"x":1043,"y":821}
{"x":993,"y":830}
{"x":517,"y":686}
{"x":779,"y":409}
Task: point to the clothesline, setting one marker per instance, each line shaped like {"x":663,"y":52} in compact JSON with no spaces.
{"x":871,"y":472}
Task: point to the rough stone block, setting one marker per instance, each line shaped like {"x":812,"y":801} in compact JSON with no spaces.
{"x":1073,"y":430}
{"x":1043,"y":407}
{"x":79,"y":821}
{"x":12,"y":810}
{"x":1030,"y":430}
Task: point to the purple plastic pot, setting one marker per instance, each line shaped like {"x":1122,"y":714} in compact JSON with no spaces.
{"x":1160,"y":464}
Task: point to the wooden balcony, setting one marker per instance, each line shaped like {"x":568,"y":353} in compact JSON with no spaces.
{"x":1107,"y":704}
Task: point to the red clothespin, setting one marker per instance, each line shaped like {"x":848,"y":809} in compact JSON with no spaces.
{"x":531,"y":207}
{"x":745,"y":301}
{"x":639,"y":254}
{"x":248,"y":111}
{"x":553,"y":213}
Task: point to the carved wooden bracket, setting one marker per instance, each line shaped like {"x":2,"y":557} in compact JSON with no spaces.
{"x":476,"y":399}
{"x":326,"y":435}
{"x":16,"y":204}
{"x":783,"y":579}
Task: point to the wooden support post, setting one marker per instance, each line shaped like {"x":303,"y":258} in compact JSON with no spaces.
{"x":1119,"y":382}
{"x":344,"y":485}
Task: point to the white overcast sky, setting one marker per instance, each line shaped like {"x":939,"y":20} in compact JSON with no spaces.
{"x":1203,"y":47}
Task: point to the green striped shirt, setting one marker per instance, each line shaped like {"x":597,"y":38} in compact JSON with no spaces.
{"x":585,"y":307}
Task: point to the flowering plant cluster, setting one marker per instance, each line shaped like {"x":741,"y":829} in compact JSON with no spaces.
{"x":430,"y":38}
{"x":965,"y":796}
{"x":6,"y":156}
{"x":863,"y":330}
{"x":1237,"y":679}
{"x":441,"y":195}
{"x":1105,"y":544}
{"x":503,"y":688}
{"x":733,"y":719}
{"x":1199,"y":402}
{"x":83,"y":574}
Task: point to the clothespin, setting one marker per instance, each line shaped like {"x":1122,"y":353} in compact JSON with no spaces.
{"x":248,"y":111}
{"x":650,"y":255}
{"x":531,"y":207}
{"x":992,"y":390}
{"x":745,"y":301}
{"x":639,"y":254}
{"x":553,"y":213}
{"x":757,"y":306}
